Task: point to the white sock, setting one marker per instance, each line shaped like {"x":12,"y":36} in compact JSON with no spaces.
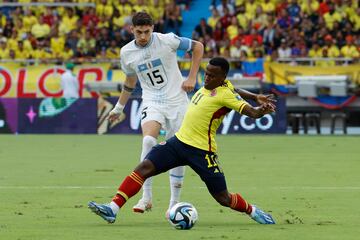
{"x":252,"y":211}
{"x":114,"y":207}
{"x":176,"y":181}
{"x":148,"y":143}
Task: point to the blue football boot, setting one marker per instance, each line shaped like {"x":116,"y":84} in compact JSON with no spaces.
{"x":103,"y":210}
{"x":261,"y":217}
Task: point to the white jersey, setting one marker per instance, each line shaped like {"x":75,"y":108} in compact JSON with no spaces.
{"x":157,"y":68}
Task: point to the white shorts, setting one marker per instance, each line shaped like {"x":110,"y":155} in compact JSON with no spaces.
{"x":170,"y":118}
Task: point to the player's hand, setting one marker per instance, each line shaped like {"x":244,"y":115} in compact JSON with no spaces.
{"x":267,"y":108}
{"x":268,"y":99}
{"x":189,"y":84}
{"x":115,"y":113}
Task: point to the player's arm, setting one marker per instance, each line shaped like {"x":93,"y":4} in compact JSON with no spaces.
{"x":257,"y":112}
{"x":197,"y":49}
{"x":127,"y":88}
{"x":259,"y":98}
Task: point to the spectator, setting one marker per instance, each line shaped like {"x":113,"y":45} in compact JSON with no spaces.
{"x":253,"y":35}
{"x":40,"y":30}
{"x":67,"y":54}
{"x":173,"y":17}
{"x":21,"y":52}
{"x":268,"y":6}
{"x":104,"y":8}
{"x":260,"y":20}
{"x":210,"y":49}
{"x":225,"y":5}
{"x":284,"y":51}
{"x":235,"y":49}
{"x":324,"y":7}
{"x":250,"y":8}
{"x":219,"y":32}
{"x":69,"y":82}
{"x":48,"y":17}
{"x":214,"y":18}
{"x":280,"y":6}
{"x":355,"y":19}
{"x":4,"y":50}
{"x":29,"y":20}
{"x":240,"y":36}
{"x":331,"y":16}
{"x":284,"y":20}
{"x":103,"y":40}
{"x":349,"y":50}
{"x":90,"y":16}
{"x":68,"y":22}
{"x":57,"y":44}
{"x":226,"y":18}
{"x":242,"y":17}
{"x":72,"y":41}
{"x":315,"y":51}
{"x":86,"y":46}
{"x":157,"y":12}
{"x":232,"y":29}
{"x":294,"y":11}
{"x":142,"y":7}
{"x":309,"y":7}
{"x":332,"y":50}
{"x":113,"y":52}
{"x":202,"y":29}
{"x":269,"y":35}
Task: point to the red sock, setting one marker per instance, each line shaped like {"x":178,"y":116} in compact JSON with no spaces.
{"x":128,"y":188}
{"x":239,"y":204}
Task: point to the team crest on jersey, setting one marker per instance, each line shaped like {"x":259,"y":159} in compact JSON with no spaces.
{"x":237,"y":96}
{"x":213,"y":93}
{"x":162,"y":143}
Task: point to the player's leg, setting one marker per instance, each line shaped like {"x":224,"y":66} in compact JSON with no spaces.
{"x":237,"y":203}
{"x":176,"y":175}
{"x":153,"y":165}
{"x":150,"y":131}
{"x":151,"y":122}
{"x":130,"y":186}
{"x":207,"y":166}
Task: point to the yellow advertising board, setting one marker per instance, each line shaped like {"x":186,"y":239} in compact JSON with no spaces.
{"x":44,"y":80}
{"x":283,"y":74}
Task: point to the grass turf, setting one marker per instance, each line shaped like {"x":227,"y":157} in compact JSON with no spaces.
{"x":310,"y":184}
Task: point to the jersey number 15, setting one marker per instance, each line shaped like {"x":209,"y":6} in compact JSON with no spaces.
{"x":156,"y":78}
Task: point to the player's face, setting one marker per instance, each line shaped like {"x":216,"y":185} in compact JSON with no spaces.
{"x":214,"y":77}
{"x":142,"y":34}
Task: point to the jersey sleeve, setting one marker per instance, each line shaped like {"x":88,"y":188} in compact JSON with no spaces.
{"x":178,"y":43}
{"x":233,"y":101}
{"x":125,"y":67}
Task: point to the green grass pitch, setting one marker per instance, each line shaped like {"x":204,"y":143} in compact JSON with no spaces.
{"x":310,"y":184}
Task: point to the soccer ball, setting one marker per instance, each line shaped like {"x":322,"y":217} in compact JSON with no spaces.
{"x":183,"y":215}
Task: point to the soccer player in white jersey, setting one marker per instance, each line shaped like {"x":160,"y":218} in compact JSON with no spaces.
{"x":151,"y":58}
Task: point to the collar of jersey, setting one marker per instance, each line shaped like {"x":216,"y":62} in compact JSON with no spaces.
{"x":147,"y":45}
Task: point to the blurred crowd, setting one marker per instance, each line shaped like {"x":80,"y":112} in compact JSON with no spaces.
{"x":79,"y":33}
{"x":281,"y":29}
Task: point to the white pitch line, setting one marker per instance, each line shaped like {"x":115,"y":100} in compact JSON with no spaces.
{"x":324,"y":188}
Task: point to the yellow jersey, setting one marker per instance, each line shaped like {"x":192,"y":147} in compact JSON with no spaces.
{"x":205,"y":114}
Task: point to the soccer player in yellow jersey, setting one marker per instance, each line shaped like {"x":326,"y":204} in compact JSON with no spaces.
{"x":194,"y":145}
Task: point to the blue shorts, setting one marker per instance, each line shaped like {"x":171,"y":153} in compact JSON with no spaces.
{"x":174,"y":153}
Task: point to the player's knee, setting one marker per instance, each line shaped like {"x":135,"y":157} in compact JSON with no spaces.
{"x":149,"y":141}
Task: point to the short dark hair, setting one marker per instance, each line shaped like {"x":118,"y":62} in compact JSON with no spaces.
{"x":222,"y":63}
{"x":141,"y":19}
